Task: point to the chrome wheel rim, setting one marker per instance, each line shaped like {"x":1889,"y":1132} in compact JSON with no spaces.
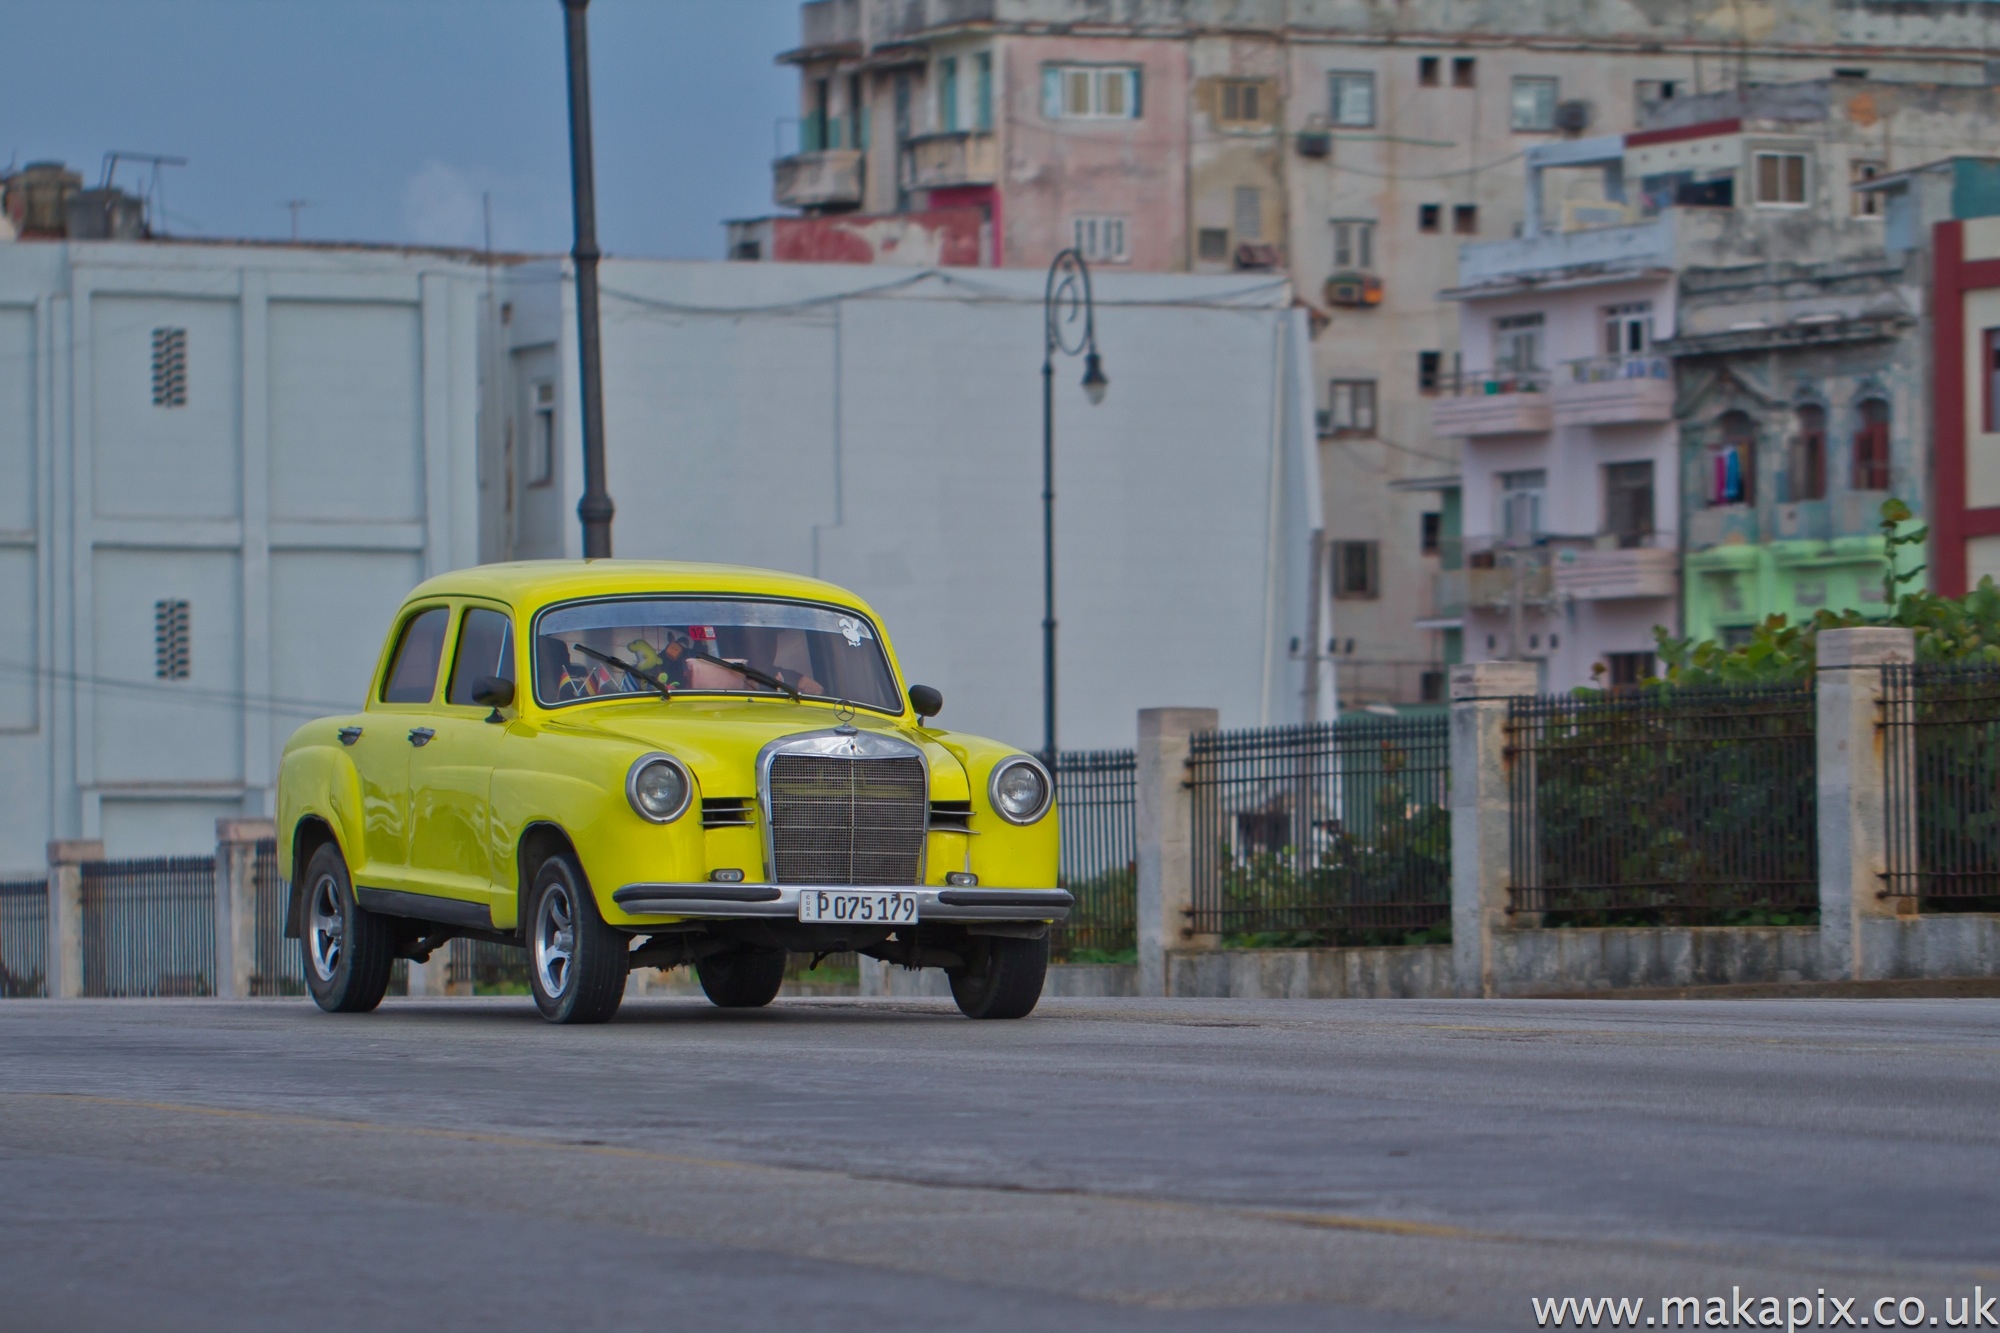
{"x":555,"y":938}
{"x":326,"y":927}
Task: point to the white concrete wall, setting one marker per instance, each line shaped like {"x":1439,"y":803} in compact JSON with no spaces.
{"x":883,"y":430}
{"x":323,"y":463}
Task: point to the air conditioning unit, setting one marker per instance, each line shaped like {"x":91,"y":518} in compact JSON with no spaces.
{"x":1573,"y":117}
{"x":1354,"y":290}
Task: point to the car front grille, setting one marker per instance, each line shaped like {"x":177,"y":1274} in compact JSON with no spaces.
{"x":847,"y":821}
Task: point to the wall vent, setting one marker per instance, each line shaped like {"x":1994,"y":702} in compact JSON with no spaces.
{"x":170,"y":639}
{"x":170,"y":385}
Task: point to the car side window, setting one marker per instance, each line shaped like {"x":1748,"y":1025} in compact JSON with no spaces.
{"x":413,"y":672}
{"x":485,"y":648}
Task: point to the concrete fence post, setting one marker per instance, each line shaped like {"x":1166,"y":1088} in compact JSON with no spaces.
{"x":1480,"y":832}
{"x":65,"y":965}
{"x":1165,"y":819}
{"x":236,"y":903}
{"x":1852,"y":780}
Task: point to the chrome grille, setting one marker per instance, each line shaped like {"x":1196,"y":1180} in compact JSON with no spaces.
{"x":847,"y":821}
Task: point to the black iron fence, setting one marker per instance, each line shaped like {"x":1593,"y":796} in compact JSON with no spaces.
{"x":1097,"y":802}
{"x":1941,"y":755}
{"x":24,"y":938}
{"x":1665,"y":807}
{"x":280,"y":967}
{"x":486,"y":968}
{"x":1330,"y":833}
{"x":149,"y":926}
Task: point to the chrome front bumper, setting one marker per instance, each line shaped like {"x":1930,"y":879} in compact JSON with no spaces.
{"x":934,"y":902}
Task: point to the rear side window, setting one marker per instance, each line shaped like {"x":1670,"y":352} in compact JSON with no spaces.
{"x":485,"y":648}
{"x":413,"y":672}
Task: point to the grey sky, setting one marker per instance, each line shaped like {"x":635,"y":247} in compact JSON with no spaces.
{"x":392,"y":117}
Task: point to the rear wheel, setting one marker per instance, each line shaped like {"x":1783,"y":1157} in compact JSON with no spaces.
{"x":746,"y":979}
{"x":576,"y":963}
{"x":349,"y":952}
{"x":1002,"y":977}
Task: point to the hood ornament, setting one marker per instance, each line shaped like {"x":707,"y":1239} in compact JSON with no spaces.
{"x":844,"y":717}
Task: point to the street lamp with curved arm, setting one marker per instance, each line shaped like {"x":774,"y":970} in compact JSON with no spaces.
{"x":1069,"y":327}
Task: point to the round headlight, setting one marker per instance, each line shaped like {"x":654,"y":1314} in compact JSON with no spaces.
{"x":659,"y":788}
{"x":1021,"y":790}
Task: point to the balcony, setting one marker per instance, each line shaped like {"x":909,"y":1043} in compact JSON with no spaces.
{"x":1503,"y":403}
{"x":943,"y":161}
{"x":829,"y":178}
{"x":1615,"y":391}
{"x":1607,"y":575}
{"x":1489,"y":581}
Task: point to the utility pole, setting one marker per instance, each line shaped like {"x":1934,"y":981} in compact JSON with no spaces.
{"x":595,"y":509}
{"x":297,"y":206}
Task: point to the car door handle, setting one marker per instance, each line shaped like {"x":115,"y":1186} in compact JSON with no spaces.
{"x":349,"y":735}
{"x":421,"y":736}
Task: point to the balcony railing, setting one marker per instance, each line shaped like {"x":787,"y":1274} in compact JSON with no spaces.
{"x":1489,"y":573}
{"x":958,"y":157}
{"x":1615,"y":390}
{"x":828,"y":178}
{"x":1503,"y":402}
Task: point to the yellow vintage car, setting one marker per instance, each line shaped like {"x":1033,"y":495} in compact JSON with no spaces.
{"x":619,"y":764}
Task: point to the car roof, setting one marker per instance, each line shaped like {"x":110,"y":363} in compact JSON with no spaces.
{"x":526,"y":584}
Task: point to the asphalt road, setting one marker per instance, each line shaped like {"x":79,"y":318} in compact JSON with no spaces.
{"x":884,"y":1164}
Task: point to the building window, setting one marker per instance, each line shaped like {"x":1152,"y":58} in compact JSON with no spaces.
{"x":1351,"y":99}
{"x":1871,"y":446}
{"x":1353,"y":243}
{"x":947,"y":84}
{"x":170,"y":639}
{"x":1090,"y":92}
{"x":1628,"y":328}
{"x":1430,"y":532}
{"x":1212,"y":244}
{"x":815,"y":131}
{"x":1427,"y":71}
{"x":1992,"y":347}
{"x":1781,"y":180}
{"x":1465,"y":219}
{"x":1429,"y":216}
{"x":1249,"y":213}
{"x":1649,"y":93}
{"x":1351,"y":407}
{"x":857,"y":114}
{"x":1430,"y":372}
{"x":1357,"y":570}
{"x":1241,"y":102}
{"x":1534,"y":105}
{"x":1101,"y":240}
{"x":1628,"y":503}
{"x":1805,"y":470}
{"x":982,"y":108}
{"x":1462,"y":71}
{"x":1521,"y":505}
{"x":1864,"y":203}
{"x":1628,"y":669}
{"x":1517,"y":342}
{"x":1430,"y":687}
{"x":540,"y":468}
{"x":170,"y":380}
{"x":1732,"y":461}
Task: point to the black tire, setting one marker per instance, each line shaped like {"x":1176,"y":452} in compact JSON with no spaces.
{"x":576,"y":963}
{"x":347,"y":952}
{"x":1002,"y":978}
{"x":746,"y":979}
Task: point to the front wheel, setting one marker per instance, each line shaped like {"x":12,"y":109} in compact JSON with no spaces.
{"x":1002,"y":977}
{"x":576,"y":963}
{"x":349,"y":951}
{"x":746,"y":979}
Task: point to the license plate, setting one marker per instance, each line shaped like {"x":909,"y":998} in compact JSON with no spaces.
{"x":885,"y":907}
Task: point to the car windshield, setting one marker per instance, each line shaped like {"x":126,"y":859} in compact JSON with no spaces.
{"x":602,"y":649}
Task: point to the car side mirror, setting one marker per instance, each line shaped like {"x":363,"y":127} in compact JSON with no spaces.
{"x":495,"y":693}
{"x":927,"y":701}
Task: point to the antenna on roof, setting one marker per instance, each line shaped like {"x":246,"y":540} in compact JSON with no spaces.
{"x":155,"y":193}
{"x":296,"y":205}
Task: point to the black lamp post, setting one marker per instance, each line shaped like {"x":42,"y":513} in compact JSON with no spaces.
{"x":595,"y":508}
{"x":1069,"y":326}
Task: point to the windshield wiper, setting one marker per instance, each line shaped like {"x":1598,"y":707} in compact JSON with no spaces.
{"x":649,"y":677}
{"x":750,"y":671}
